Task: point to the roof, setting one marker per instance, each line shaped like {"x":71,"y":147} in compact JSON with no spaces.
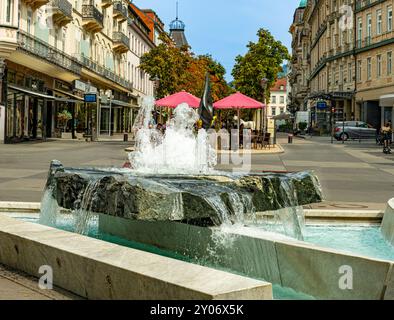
{"x":177,"y":25}
{"x":179,"y":38}
{"x":303,"y":3}
{"x":146,"y":19}
{"x":280,"y":82}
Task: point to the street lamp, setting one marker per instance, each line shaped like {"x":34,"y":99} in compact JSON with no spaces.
{"x":263,"y":83}
{"x":108,"y":93}
{"x":156,"y":84}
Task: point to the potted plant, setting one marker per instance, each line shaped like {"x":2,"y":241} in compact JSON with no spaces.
{"x":302,"y":126}
{"x":63,"y":118}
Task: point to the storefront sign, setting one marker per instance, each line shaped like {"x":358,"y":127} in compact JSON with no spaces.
{"x":84,"y":87}
{"x":62,"y":86}
{"x":90,"y":98}
{"x":321,"y":105}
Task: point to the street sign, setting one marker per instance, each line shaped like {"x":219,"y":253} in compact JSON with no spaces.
{"x":91,"y":98}
{"x":321,"y":105}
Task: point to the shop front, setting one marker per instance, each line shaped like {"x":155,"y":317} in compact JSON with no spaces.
{"x":116,"y":116}
{"x":69,"y":116}
{"x":386,"y":103}
{"x":28,"y":98}
{"x":26,"y":114}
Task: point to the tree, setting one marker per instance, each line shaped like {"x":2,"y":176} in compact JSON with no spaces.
{"x":264,"y":59}
{"x":179,"y":69}
{"x":167,"y":63}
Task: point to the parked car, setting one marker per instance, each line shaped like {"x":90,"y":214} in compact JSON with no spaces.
{"x":355,"y":130}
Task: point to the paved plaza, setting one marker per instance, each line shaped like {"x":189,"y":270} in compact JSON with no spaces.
{"x":357,"y":174}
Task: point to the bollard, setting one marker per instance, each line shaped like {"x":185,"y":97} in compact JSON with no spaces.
{"x":290,"y":138}
{"x":125,"y":137}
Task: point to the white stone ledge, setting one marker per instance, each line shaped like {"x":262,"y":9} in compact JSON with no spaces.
{"x":305,"y":267}
{"x":96,"y":269}
{"x":388,"y":222}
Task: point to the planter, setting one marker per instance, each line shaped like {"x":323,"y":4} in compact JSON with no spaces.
{"x":66,"y":135}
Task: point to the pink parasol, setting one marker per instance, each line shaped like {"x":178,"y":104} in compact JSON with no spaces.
{"x":176,"y":99}
{"x":238,"y":101}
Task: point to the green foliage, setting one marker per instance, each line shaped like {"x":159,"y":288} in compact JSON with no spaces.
{"x":302,"y":126}
{"x":264,"y":59}
{"x":179,"y":69}
{"x":63,"y":118}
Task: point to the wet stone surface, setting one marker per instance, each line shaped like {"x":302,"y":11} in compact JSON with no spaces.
{"x":212,"y":198}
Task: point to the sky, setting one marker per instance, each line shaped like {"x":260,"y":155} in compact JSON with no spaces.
{"x":223,"y":28}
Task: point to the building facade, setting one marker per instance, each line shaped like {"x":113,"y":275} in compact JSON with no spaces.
{"x":278,"y":98}
{"x":374,"y":50}
{"x":299,"y":66}
{"x":348,"y":51}
{"x":54,"y":52}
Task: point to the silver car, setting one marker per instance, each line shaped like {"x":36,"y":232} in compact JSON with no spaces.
{"x":356,"y":130}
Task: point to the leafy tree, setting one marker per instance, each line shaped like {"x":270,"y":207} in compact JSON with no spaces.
{"x":167,"y":63}
{"x":179,"y":69}
{"x":264,"y":59}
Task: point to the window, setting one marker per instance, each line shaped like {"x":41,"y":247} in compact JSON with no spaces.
{"x":369,"y":68}
{"x":369,"y":29}
{"x":359,"y":69}
{"x":29,"y":19}
{"x":341,"y":74}
{"x":273,"y":99}
{"x":282,"y":110}
{"x":359,"y":31}
{"x":282,"y":99}
{"x":273,"y":111}
{"x":389,"y":18}
{"x":389,"y":62}
{"x":10,"y":4}
{"x":379,"y":22}
{"x":379,"y":65}
{"x":349,"y":72}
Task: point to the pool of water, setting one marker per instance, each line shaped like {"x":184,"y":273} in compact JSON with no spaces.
{"x":366,"y":241}
{"x":362,"y":240}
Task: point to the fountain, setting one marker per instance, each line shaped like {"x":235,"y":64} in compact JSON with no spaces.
{"x":174,"y":203}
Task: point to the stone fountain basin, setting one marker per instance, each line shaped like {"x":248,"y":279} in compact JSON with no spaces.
{"x":187,"y":198}
{"x":305,"y":267}
{"x":312,"y":269}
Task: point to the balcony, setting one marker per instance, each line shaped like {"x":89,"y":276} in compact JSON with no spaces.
{"x":104,"y":72}
{"x":61,"y":12}
{"x":35,"y":4}
{"x":119,"y":11}
{"x":106,"y":3}
{"x":364,"y":4}
{"x":43,"y":50}
{"x":92,"y":18}
{"x":121,"y":42}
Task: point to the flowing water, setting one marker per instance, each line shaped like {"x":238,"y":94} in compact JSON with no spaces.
{"x":179,"y":150}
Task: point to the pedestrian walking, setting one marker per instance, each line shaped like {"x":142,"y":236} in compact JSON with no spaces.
{"x":386,"y":133}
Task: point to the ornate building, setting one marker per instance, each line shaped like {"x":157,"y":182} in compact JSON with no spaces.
{"x":177,"y":31}
{"x":375,"y":49}
{"x":299,"y":66}
{"x":346,"y":51}
{"x":54,"y":52}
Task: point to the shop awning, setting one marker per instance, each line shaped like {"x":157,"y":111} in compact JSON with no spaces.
{"x":386,"y":100}
{"x":32,"y":93}
{"x":75,"y":98}
{"x":121,"y":103}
